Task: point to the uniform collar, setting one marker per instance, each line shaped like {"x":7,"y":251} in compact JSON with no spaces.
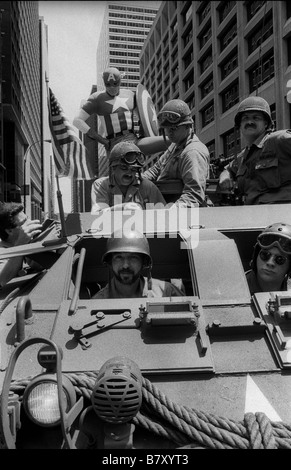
{"x":259,"y":142}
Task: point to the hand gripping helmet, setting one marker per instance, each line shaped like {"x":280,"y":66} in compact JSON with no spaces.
{"x":277,"y":234}
{"x":128,"y":241}
{"x":126,"y":152}
{"x":254,"y":103}
{"x":174,"y":113}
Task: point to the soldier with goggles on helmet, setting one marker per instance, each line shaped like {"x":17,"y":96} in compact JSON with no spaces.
{"x":185,"y":163}
{"x":262,"y":171}
{"x":124,"y":188}
{"x":271,"y":261}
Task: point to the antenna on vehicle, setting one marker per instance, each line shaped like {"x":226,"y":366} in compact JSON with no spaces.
{"x":61,"y":209}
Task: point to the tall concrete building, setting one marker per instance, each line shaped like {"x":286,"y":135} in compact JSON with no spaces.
{"x":213,"y":54}
{"x":22,"y":138}
{"x":124,"y":30}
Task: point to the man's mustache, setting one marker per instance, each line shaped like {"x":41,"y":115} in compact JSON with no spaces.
{"x":125,"y":271}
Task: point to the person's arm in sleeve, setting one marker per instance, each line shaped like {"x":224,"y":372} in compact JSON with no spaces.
{"x":79,"y":121}
{"x":228,"y":176}
{"x":194,"y":169}
{"x":10,"y":267}
{"x":154,"y":171}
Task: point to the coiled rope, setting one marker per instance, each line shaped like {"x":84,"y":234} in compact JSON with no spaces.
{"x":188,"y":427}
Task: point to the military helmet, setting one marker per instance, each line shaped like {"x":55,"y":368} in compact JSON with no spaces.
{"x":128,"y":153}
{"x":128,"y":241}
{"x":111,"y":76}
{"x":253,"y":103}
{"x":174,"y":113}
{"x":277,"y":234}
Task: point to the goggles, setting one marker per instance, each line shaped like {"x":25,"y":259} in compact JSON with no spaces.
{"x":168,"y":116}
{"x":266,"y":255}
{"x":269,"y":240}
{"x":133,"y":158}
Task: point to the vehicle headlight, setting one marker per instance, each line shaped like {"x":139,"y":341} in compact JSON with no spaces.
{"x":40,"y":399}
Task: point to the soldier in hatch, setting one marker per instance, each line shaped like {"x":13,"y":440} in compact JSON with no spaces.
{"x":127,"y":255}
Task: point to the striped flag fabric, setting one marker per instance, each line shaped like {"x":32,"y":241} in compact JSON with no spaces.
{"x":70,"y":154}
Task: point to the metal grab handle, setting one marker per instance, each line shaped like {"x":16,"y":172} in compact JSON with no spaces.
{"x":23,"y":315}
{"x":73,"y":304}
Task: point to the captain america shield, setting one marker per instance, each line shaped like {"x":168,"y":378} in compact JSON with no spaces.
{"x":147,"y":112}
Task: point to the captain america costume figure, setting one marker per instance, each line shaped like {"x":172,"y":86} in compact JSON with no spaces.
{"x":115,"y":108}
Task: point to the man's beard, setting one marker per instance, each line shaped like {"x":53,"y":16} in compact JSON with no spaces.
{"x":126,"y":276}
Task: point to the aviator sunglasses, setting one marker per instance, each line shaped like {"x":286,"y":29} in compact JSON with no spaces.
{"x":270,"y":240}
{"x":266,"y":255}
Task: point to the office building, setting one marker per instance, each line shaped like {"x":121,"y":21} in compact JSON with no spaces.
{"x":213,"y":54}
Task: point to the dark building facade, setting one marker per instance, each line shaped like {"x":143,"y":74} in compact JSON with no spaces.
{"x":213,"y":54}
{"x":21,"y":105}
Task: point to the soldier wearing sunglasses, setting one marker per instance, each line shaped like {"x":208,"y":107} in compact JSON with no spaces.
{"x":271,"y":261}
{"x":124,"y":188}
{"x":186,"y":161}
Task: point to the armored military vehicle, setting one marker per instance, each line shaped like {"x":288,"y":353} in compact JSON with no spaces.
{"x":210,"y":369}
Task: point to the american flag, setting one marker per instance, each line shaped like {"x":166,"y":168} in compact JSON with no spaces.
{"x":70,"y":154}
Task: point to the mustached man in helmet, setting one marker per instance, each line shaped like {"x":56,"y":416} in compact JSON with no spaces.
{"x":124,"y":188}
{"x":115,"y":108}
{"x":262,"y":171}
{"x":128,"y":256}
{"x":185,"y":164}
{"x":271,"y":262}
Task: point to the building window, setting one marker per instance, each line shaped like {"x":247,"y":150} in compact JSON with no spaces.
{"x":207,"y":115}
{"x":175,"y":86}
{"x":191,"y":101}
{"x":231,"y":143}
{"x":211,"y":149}
{"x":188,"y":82}
{"x":205,"y":35}
{"x":264,"y":31}
{"x":289,"y":50}
{"x":188,"y":37}
{"x":253,"y":8}
{"x":262,"y":72}
{"x":174,"y":28}
{"x":204,"y":11}
{"x":273,"y":114}
{"x":228,"y":36}
{"x":229,"y":65}
{"x":188,"y":59}
{"x":206,"y":61}
{"x":187,"y":14}
{"x":206,"y":87}
{"x":224,"y":10}
{"x":230,"y":97}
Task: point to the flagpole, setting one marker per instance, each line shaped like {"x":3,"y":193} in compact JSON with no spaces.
{"x":61,"y":208}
